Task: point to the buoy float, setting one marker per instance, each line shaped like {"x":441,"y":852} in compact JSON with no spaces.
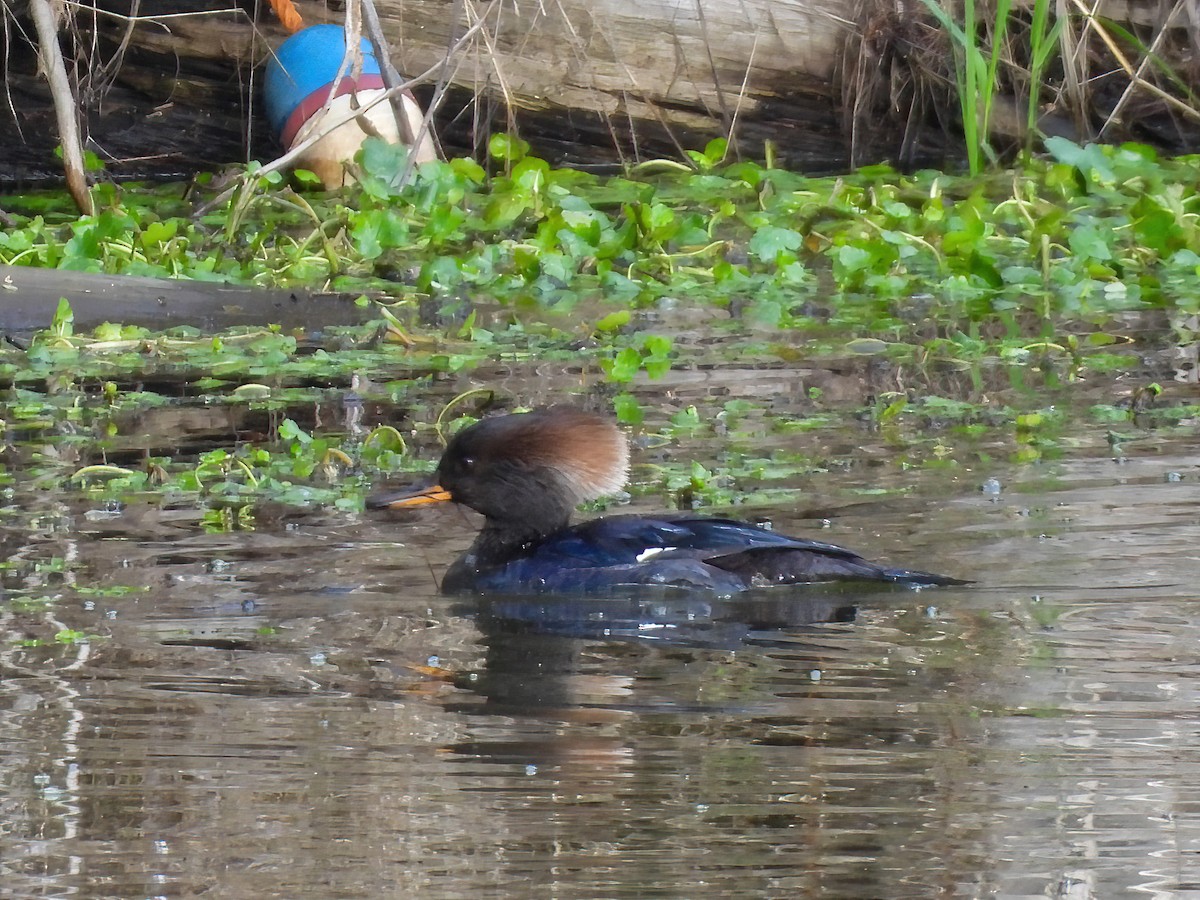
{"x":302,"y":99}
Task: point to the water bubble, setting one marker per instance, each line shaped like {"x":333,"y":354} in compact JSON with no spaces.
{"x":161,"y":847}
{"x":317,"y":659}
{"x":110,"y":614}
{"x":531,"y":769}
{"x":218,"y":565}
{"x":41,"y":779}
{"x":991,"y":487}
{"x":814,"y":675}
{"x":1173,"y":477}
{"x":433,"y":661}
{"x":89,"y":605}
{"x":931,"y":612}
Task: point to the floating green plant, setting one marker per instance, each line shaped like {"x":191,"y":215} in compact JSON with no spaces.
{"x":1021,"y":280}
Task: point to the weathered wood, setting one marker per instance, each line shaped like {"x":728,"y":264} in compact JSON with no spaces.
{"x":585,"y":81}
{"x":30,"y":297}
{"x":646,"y":77}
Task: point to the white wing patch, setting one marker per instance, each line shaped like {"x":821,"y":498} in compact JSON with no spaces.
{"x":651,"y":552}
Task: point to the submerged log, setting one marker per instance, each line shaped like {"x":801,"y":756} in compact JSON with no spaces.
{"x":31,"y":297}
{"x":171,"y":86}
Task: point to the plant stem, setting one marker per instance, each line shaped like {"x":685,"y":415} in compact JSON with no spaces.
{"x":65,"y":106}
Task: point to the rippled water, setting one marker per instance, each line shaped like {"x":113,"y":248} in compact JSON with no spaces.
{"x":296,"y":712}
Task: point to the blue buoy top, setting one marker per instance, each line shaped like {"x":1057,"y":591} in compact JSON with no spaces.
{"x":304,"y":67}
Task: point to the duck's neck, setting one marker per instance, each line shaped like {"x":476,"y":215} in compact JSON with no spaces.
{"x":499,"y":543}
{"x":501,"y":540}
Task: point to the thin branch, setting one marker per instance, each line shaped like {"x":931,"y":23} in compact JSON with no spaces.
{"x":726,"y":118}
{"x":65,"y":107}
{"x":391,"y":77}
{"x":1125,"y":64}
{"x":1115,"y":115}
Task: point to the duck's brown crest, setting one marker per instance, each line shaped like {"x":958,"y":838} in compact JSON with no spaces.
{"x":586,"y":449}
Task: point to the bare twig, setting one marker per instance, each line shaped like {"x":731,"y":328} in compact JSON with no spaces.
{"x":391,"y":77}
{"x":727,"y":120}
{"x":1125,"y":64}
{"x":1115,"y":115}
{"x":737,"y":109}
{"x":65,"y":106}
{"x":494,"y":57}
{"x":443,"y":80}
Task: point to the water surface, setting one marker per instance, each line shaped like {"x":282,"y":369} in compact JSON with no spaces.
{"x":296,"y":712}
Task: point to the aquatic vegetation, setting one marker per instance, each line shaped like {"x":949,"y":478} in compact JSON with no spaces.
{"x":978,"y":64}
{"x":950,"y":318}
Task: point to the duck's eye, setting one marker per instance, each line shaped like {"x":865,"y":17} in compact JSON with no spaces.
{"x":468,"y":463}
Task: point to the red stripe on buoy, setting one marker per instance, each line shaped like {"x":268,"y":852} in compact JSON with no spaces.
{"x":313,"y":103}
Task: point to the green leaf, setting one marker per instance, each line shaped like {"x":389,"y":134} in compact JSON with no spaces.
{"x":892,"y":410}
{"x":853,"y":259}
{"x":614,"y":321}
{"x":658,"y":222}
{"x":107,"y":331}
{"x":63,"y":322}
{"x":468,"y":169}
{"x":625,"y":365}
{"x":1090,"y":242}
{"x":290,"y":431}
{"x":507,"y":148}
{"x":159,"y":232}
{"x":306,"y":178}
{"x":866,"y":346}
{"x":715,"y":150}
{"x":1091,"y":159}
{"x":628,"y":410}
{"x":770,"y":241}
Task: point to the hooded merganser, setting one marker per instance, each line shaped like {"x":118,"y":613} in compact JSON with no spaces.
{"x":526,"y":473}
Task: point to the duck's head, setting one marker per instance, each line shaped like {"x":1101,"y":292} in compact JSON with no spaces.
{"x":528,"y":469}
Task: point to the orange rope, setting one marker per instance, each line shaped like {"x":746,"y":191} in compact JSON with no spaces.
{"x":287,"y":15}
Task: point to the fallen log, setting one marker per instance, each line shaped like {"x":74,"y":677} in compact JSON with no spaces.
{"x":29,"y":298}
{"x":171,"y":86}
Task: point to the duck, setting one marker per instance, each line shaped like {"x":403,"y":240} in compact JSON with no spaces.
{"x":527,"y":472}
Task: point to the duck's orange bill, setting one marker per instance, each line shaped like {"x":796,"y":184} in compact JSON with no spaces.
{"x":433,"y":494}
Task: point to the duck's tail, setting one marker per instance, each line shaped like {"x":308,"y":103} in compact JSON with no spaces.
{"x":918,"y":579}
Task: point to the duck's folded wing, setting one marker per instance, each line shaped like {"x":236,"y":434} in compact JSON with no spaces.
{"x":755,"y":555}
{"x":618,"y":540}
